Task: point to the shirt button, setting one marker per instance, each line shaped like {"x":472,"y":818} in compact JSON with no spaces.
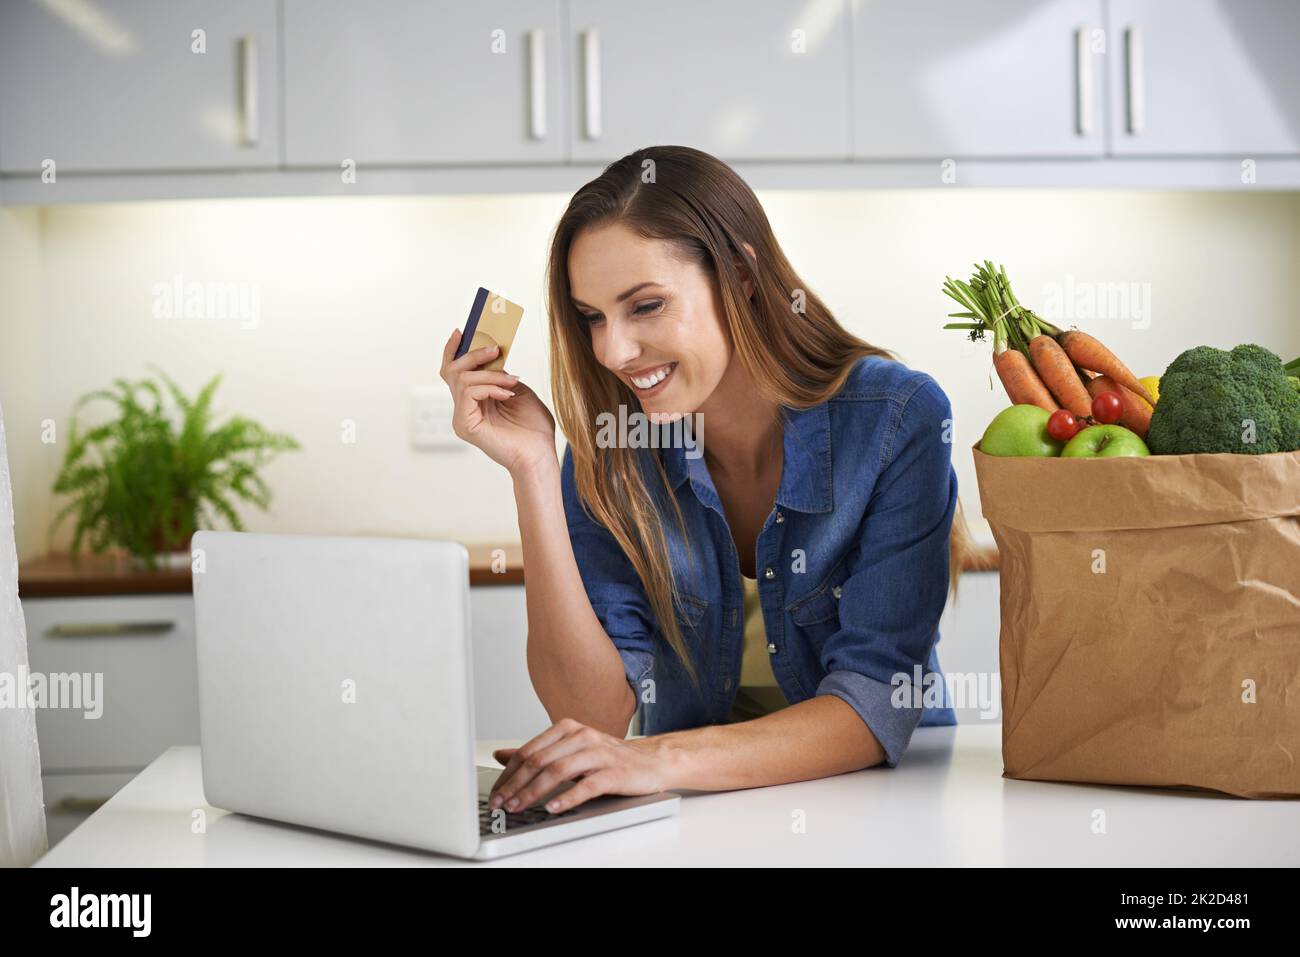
{"x":769,"y":574}
{"x":837,"y":591}
{"x":726,"y":684}
{"x":771,"y":648}
{"x":733,"y":616}
{"x":779,"y":518}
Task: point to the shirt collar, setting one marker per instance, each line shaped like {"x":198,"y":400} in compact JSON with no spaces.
{"x":805,"y":472}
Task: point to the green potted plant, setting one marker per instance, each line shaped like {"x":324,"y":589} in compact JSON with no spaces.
{"x":142,"y":483}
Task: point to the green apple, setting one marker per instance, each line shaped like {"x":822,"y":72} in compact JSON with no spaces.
{"x":1020,"y":430}
{"x":1104,"y":441}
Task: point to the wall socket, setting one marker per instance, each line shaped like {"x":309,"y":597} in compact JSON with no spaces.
{"x":431,"y":412}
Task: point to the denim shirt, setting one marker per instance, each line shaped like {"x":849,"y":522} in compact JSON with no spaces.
{"x":852,"y":565}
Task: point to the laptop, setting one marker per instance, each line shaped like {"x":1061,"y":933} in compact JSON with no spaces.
{"x":335,"y":692}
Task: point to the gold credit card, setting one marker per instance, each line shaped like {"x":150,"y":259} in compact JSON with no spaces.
{"x":493,"y":321}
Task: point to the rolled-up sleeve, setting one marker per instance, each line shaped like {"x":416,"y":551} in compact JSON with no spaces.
{"x":613,"y":586}
{"x":894,"y":596}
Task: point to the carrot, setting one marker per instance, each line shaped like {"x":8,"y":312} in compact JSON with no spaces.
{"x":1091,"y":354}
{"x":1021,"y":381}
{"x":1054,"y":368}
{"x":1136,"y":415}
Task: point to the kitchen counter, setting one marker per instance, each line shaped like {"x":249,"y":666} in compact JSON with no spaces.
{"x":945,"y":804}
{"x":61,"y":576}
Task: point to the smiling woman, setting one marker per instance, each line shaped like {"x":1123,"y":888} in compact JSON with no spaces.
{"x":826,"y":482}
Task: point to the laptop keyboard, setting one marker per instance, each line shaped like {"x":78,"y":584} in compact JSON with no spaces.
{"x":514,"y":819}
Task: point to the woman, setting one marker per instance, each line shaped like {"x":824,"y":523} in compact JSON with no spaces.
{"x":768,"y":608}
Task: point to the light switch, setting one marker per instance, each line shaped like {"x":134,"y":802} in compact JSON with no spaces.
{"x":431,"y":411}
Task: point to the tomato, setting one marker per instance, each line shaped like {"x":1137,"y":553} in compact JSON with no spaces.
{"x":1107,"y":407}
{"x":1062,"y":426}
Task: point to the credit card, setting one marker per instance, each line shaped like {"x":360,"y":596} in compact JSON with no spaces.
{"x":493,"y":321}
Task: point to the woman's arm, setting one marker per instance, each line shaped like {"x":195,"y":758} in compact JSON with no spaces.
{"x":812,"y":739}
{"x":575,"y":668}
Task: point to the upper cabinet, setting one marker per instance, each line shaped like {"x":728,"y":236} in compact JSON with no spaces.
{"x":423,"y":81}
{"x":980,"y":78}
{"x":515,"y":95}
{"x":107,"y":85}
{"x":740,"y":79}
{"x":1204,"y":77}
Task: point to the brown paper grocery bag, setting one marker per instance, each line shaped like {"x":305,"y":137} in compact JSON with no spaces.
{"x":1150,"y":619}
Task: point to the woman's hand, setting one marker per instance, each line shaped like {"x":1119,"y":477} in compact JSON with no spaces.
{"x":495,"y":411}
{"x":570,"y":750}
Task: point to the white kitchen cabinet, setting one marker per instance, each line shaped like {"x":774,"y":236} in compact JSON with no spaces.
{"x":143,"y":646}
{"x":969,"y":637}
{"x":505,"y":705}
{"x":1204,"y":77}
{"x":71,"y":798}
{"x":738,"y":79}
{"x":117,"y":85}
{"x":983,"y":78}
{"x":423,"y":81}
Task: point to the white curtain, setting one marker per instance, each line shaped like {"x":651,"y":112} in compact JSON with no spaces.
{"x":22,"y":805}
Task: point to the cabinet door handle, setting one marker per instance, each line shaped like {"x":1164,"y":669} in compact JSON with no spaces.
{"x":537,"y":84}
{"x":248,"y":135}
{"x":1083,"y":77}
{"x":75,"y":805}
{"x":591,"y":84}
{"x":109,"y":629}
{"x":1137,"y":106}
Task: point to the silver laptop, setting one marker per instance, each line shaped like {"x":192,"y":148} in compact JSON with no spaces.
{"x":335,"y":692}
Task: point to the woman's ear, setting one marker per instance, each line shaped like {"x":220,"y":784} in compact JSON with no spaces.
{"x":746,"y":270}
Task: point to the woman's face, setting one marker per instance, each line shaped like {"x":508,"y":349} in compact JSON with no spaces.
{"x":655,"y":322}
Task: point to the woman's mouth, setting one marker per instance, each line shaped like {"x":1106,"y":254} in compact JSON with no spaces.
{"x":653,"y":382}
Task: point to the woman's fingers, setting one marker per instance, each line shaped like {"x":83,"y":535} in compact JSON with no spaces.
{"x":556,"y":772}
{"x":556,"y":732}
{"x":476,"y":377}
{"x":480,"y":392}
{"x":593,"y":785}
{"x":475,"y":357}
{"x":467,"y":416}
{"x":535,"y":777}
{"x":552,"y":734}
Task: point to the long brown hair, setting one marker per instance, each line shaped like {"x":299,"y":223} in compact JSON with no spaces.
{"x":797,"y":357}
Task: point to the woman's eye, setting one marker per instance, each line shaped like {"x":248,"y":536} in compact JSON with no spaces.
{"x":645,"y":309}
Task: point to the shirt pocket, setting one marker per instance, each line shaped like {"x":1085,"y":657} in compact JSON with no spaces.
{"x":818,"y":612}
{"x":689,"y":616}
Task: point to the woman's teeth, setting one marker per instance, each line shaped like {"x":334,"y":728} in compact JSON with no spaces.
{"x":647,"y":382}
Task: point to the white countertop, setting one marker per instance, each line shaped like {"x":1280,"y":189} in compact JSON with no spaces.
{"x":946,"y":804}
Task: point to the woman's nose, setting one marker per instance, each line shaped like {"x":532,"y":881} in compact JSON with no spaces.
{"x":621,"y":346}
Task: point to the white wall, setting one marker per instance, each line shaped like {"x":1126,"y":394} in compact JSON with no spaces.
{"x":357,"y":296}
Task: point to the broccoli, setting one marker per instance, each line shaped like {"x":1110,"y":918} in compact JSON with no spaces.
{"x":1216,"y":401}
